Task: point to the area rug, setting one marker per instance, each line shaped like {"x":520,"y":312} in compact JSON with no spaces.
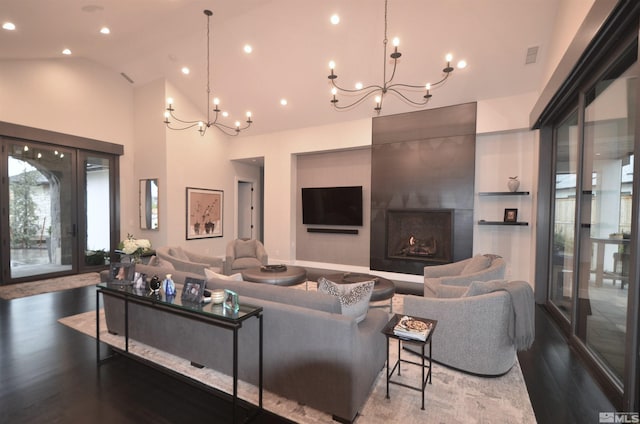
{"x":15,"y":291}
{"x":453,"y":397}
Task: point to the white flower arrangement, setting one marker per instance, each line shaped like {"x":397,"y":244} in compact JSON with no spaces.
{"x":133,"y":246}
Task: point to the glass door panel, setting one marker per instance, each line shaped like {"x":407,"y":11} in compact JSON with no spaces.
{"x":607,"y":178}
{"x":564,"y":215}
{"x":97,"y":206}
{"x":41,"y":205}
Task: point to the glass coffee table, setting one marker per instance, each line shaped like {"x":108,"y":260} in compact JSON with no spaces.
{"x":212,"y":314}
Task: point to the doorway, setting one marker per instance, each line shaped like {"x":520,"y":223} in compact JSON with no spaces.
{"x":246,"y":209}
{"x":60,"y":196}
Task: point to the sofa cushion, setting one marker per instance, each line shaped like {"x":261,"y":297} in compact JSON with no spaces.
{"x":245,"y":249}
{"x":477,"y":288}
{"x":213,"y":273}
{"x":274,"y":293}
{"x":242,"y":263}
{"x":178,"y":253}
{"x":449,"y":291}
{"x":477,"y":263}
{"x":354,"y":298}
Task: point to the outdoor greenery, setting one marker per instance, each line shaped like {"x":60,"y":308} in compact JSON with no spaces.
{"x":22,"y":210}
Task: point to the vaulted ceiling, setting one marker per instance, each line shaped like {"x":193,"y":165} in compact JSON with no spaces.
{"x":293,"y":42}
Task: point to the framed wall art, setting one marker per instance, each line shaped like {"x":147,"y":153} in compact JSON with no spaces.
{"x":204,"y":213}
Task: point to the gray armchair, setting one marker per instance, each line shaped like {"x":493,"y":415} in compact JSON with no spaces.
{"x":183,"y":260}
{"x":462,"y":273}
{"x":472,"y":333}
{"x":244,"y":253}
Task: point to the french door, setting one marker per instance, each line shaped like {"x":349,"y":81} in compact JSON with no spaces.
{"x":57,"y":212}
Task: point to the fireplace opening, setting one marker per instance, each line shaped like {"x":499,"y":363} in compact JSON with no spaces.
{"x":424,"y":235}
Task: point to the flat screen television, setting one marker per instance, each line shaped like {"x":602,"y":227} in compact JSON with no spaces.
{"x":332,"y":206}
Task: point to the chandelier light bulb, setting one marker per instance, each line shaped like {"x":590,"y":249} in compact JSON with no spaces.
{"x":332,"y":65}
{"x":249,"y":115}
{"x":396,"y":42}
{"x":216,"y":101}
{"x":377,"y":99}
{"x":169,"y":101}
{"x":237,"y":124}
{"x":166,"y":115}
{"x":358,"y":86}
{"x":428,"y":86}
{"x":334,"y":91}
{"x":201,"y":124}
{"x":448,"y":57}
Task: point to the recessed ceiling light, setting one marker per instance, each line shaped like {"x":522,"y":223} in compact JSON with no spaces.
{"x":9,"y":26}
{"x":335,"y":19}
{"x":185,"y":70}
{"x":105,"y":30}
{"x":283,"y":102}
{"x":66,"y":51}
{"x":225,"y":114}
{"x":248,"y":48}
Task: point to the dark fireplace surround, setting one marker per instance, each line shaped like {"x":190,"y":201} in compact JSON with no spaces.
{"x":422,"y":188}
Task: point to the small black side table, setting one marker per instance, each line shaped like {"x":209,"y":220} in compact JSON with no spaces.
{"x":388,"y":331}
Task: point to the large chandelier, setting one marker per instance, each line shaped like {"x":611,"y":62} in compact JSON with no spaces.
{"x":202,"y":125}
{"x":388,"y":86}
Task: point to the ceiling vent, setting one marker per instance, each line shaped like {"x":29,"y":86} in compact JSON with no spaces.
{"x":532,"y":55}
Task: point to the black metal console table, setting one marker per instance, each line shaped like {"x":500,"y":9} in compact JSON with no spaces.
{"x":211,"y":314}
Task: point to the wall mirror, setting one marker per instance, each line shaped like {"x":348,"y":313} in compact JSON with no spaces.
{"x":149,"y":204}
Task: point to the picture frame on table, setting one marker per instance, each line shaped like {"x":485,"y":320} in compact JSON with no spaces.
{"x":510,"y":215}
{"x":193,"y":290}
{"x":204,"y":213}
{"x":122,"y":272}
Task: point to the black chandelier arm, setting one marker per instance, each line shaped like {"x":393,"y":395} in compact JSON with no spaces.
{"x":360,"y":100}
{"x":393,"y":74}
{"x":408,"y":100}
{"x":192,"y":123}
{"x":168,"y":124}
{"x":420,"y":87}
{"x":356,"y":90}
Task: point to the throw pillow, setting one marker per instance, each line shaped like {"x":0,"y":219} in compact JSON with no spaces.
{"x":178,"y":253}
{"x":354,"y":298}
{"x":477,"y":263}
{"x":159,"y":262}
{"x":209,"y":273}
{"x":245,"y":249}
{"x":477,"y":288}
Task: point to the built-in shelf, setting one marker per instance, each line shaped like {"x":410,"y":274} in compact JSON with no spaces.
{"x":503,"y":193}
{"x":520,"y":223}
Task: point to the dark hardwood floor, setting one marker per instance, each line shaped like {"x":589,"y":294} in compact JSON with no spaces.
{"x":48,"y":374}
{"x":561,"y":389}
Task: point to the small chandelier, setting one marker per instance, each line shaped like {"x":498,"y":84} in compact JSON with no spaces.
{"x":202,"y":126}
{"x":388,"y":86}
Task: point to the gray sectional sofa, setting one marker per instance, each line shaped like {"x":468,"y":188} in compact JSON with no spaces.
{"x":312,"y":353}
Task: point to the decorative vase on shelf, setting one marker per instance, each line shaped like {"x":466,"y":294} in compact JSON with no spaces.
{"x":513,"y":184}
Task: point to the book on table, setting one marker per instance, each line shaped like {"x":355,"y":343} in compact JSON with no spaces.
{"x":412,"y":328}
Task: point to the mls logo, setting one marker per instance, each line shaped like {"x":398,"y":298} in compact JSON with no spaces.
{"x":619,"y":417}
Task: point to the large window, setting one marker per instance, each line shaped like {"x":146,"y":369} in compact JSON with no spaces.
{"x":591,"y":278}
